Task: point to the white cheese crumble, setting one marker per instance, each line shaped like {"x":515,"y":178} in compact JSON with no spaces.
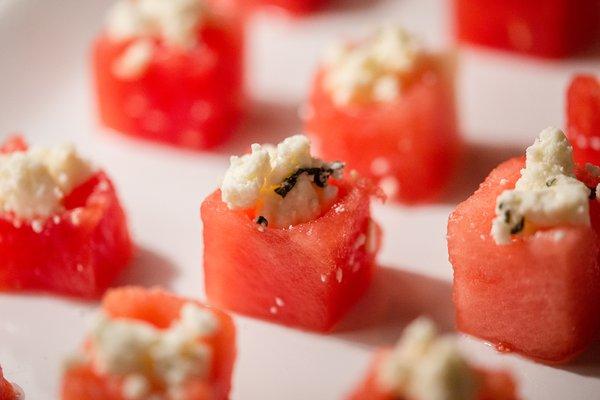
{"x":547,"y":194}
{"x":34,"y":183}
{"x":176,"y":22}
{"x":425,"y":366}
{"x":144,"y":355}
{"x":252,"y":180}
{"x":371,"y":70}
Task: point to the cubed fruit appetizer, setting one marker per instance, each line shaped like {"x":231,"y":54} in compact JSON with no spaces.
{"x":62,"y":228}
{"x":524,"y":248}
{"x":150,"y":344}
{"x":583,"y":115}
{"x":426,"y":366}
{"x":170,"y":71}
{"x":386,"y":107}
{"x":293,"y":6}
{"x":287,"y":238}
{"x":523,"y":26}
{"x":9,"y":391}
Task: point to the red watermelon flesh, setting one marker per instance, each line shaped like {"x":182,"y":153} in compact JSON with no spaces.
{"x":187,"y":98}
{"x":522,"y":26}
{"x":539,"y":295}
{"x":583,"y":114}
{"x":7,"y":390}
{"x":410,"y":146}
{"x":293,"y":6}
{"x":79,"y":252}
{"x":307,"y":275}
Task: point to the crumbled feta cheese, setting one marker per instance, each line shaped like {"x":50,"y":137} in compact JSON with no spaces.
{"x":27,"y":188}
{"x":142,"y":353}
{"x":65,"y":164}
{"x":284,"y":184}
{"x":371,"y":70}
{"x":134,"y":61}
{"x":547,"y":194}
{"x":245,"y":178}
{"x":33,"y":183}
{"x":174,"y":21}
{"x":425,"y":366}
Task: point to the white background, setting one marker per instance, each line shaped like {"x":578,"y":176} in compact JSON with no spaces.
{"x":45,"y":92}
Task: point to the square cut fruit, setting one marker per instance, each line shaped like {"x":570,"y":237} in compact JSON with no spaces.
{"x":184,"y":96}
{"x":538,"y":295}
{"x":409,"y":145}
{"x":493,"y":385}
{"x":307,"y":275}
{"x":160,"y":310}
{"x":79,"y":251}
{"x":583,"y":115}
{"x":523,"y":26}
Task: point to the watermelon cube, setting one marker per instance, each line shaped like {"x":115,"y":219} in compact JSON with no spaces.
{"x":307,"y":275}
{"x":406,"y":142}
{"x":538,"y":295}
{"x":159,"y":316}
{"x":422,"y":362}
{"x":167,"y":84}
{"x":8,"y":391}
{"x":583,"y":118}
{"x":522,"y":26}
{"x":77,"y":251}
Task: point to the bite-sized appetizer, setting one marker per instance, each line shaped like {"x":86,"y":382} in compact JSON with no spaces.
{"x":386,"y":107}
{"x":426,"y":366}
{"x":9,"y":391}
{"x":523,"y":26}
{"x":287,"y":238}
{"x":524,"y":248}
{"x":170,"y":71}
{"x":292,"y":6}
{"x":149,"y":344}
{"x":62,"y":228}
{"x":583,"y":115}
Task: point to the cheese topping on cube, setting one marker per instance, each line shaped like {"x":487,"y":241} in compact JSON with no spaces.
{"x":146,"y":357}
{"x":174,"y":21}
{"x":547,"y":194}
{"x":425,"y":366}
{"x":371,"y":70}
{"x":284,"y":185}
{"x":34,"y":183}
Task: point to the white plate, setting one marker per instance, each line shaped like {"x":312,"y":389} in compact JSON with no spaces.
{"x":45,"y":92}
